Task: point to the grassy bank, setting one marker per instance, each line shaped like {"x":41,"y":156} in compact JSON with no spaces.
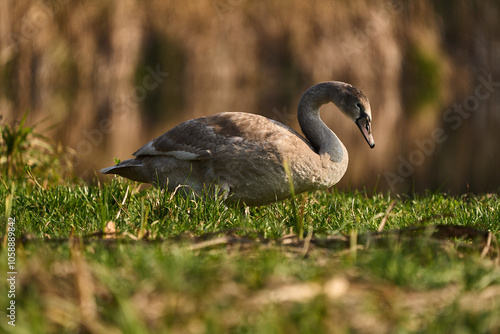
{"x":118,"y":258}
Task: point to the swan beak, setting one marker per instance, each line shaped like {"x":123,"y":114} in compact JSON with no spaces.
{"x":364,"y":124}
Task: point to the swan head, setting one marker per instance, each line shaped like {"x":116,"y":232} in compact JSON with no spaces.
{"x":355,"y":105}
{"x":364,"y":121}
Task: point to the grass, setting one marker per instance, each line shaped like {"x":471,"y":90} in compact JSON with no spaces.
{"x":177,"y":265}
{"x":115,"y":257}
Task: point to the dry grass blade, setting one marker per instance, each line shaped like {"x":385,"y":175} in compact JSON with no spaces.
{"x":307,"y":242}
{"x":487,"y":248}
{"x":209,"y":243}
{"x":228,"y":239}
{"x":384,"y":220}
{"x":122,"y":204}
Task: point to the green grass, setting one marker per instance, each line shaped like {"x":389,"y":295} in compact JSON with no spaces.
{"x":186,"y":266}
{"x":115,"y":257}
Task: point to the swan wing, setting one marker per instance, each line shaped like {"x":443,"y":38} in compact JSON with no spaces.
{"x":201,"y":138}
{"x":191,"y":140}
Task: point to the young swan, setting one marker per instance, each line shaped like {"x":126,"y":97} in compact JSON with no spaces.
{"x":242,"y":156}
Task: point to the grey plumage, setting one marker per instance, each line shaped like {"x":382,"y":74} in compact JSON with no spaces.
{"x":242,"y":155}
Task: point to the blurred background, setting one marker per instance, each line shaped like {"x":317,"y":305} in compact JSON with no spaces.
{"x":103,"y":77}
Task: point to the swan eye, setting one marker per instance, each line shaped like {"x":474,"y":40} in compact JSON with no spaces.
{"x":359,"y":106}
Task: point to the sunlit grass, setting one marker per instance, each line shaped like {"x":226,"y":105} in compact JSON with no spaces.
{"x":167,"y":276}
{"x":118,"y":257}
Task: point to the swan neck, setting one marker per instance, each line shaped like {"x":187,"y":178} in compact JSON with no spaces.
{"x":322,"y":138}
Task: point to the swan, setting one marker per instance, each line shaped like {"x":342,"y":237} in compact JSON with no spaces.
{"x":248,"y":158}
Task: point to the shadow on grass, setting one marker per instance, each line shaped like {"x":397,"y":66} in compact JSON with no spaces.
{"x":460,"y":238}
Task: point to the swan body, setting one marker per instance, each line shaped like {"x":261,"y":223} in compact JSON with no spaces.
{"x":242,"y":156}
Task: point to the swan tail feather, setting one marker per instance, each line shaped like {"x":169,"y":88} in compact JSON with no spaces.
{"x":131,"y":169}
